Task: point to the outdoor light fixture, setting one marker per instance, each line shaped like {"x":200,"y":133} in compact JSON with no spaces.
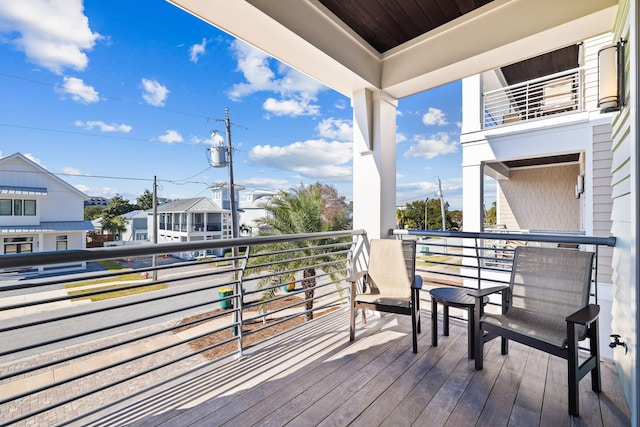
{"x":611,"y":77}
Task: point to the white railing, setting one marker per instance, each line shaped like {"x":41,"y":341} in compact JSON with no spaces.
{"x":549,"y":95}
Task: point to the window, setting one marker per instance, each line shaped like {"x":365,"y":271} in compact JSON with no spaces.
{"x":18,"y":245}
{"x":30,"y":207}
{"x":17,"y":206}
{"x":61,"y":242}
{"x":5,"y":206}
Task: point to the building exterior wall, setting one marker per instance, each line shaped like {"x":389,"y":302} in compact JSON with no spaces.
{"x":540,"y":199}
{"x":624,"y":213}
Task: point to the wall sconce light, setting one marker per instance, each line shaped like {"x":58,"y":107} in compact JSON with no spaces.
{"x":611,"y":77}
{"x":579,"y":186}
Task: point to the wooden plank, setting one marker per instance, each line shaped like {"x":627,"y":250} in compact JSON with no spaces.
{"x":555,"y":405}
{"x":613,"y":404}
{"x":407,"y":411}
{"x":366,"y":350}
{"x":375,"y":378}
{"x":528,"y":404}
{"x":497,"y":410}
{"x":387,"y":389}
{"x":440,"y":408}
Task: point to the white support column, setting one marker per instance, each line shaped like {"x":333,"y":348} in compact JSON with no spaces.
{"x":473,"y":184}
{"x":472,"y":104}
{"x":374,"y":162}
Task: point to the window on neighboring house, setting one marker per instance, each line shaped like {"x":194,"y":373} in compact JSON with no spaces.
{"x":17,"y":206}
{"x":61,"y":242}
{"x":5,"y":206}
{"x":29,"y":207}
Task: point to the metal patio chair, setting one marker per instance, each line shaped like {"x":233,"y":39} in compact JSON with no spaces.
{"x":546,"y":306}
{"x":389,"y":285}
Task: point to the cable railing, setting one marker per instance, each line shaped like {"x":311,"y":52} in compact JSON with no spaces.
{"x":133,"y":324}
{"x":549,"y":95}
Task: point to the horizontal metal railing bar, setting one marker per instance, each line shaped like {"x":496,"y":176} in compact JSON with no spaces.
{"x":103,"y":309}
{"x":584,"y":240}
{"x":264,"y":276}
{"x":543,"y":79}
{"x":298,"y":249}
{"x":96,"y":254}
{"x":99,"y":349}
{"x":120,"y":288}
{"x":268,"y":264}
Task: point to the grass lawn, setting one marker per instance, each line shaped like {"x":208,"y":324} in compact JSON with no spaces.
{"x":115,"y":293}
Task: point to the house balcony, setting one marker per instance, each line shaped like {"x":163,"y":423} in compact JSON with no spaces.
{"x":181,"y":343}
{"x":551,"y":95}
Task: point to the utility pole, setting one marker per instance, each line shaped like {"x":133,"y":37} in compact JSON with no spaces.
{"x":444,"y":224}
{"x":426,"y":204}
{"x":154,"y":260}
{"x":235,"y":231}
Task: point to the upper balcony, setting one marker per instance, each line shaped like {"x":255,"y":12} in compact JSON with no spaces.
{"x":559,"y":93}
{"x":217,"y":342}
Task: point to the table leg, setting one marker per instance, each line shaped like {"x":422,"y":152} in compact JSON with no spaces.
{"x":471,"y":332}
{"x":434,"y":322}
{"x":445,"y":317}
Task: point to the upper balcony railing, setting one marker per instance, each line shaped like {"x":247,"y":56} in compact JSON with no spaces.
{"x":554,"y":94}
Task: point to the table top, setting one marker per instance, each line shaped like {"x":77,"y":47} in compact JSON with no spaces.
{"x":453,"y":296}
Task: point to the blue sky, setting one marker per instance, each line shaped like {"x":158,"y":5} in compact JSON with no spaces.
{"x":109,"y":94}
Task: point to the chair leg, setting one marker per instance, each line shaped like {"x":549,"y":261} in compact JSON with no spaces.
{"x":414,"y":330}
{"x":572,"y":368}
{"x":504,"y":346}
{"x":417,"y":299}
{"x":594,"y":340}
{"x":352,"y":313}
{"x":478,"y":341}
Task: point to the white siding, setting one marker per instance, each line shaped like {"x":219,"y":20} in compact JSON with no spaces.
{"x":624,"y":214}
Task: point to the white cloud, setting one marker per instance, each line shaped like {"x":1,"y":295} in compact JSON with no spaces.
{"x":290,"y":107}
{"x":315,"y":159}
{"x":266,"y":183}
{"x":78,"y":91}
{"x":400,"y":137}
{"x":428,"y":148}
{"x":54,"y":34}
{"x":339,"y":129}
{"x":171,"y":137}
{"x":434,"y":116}
{"x":154,"y":93}
{"x":70,"y":171}
{"x":33,"y":158}
{"x":104,"y":127}
{"x":197,"y":50}
{"x":297,"y":91}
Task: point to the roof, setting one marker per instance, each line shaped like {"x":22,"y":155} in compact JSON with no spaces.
{"x":402,"y":47}
{"x":139,"y":213}
{"x":31,"y":191}
{"x":48,"y":226}
{"x":198,"y":204}
{"x":39,"y":168}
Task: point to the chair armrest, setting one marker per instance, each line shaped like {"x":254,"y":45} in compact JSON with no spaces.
{"x":585,"y":315}
{"x":356,"y":276}
{"x":481,"y":293}
{"x":417,"y":282}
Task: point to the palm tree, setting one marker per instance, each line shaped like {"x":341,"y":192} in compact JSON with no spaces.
{"x":304,"y":210}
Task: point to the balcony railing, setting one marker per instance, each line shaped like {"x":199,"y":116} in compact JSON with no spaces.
{"x":68,"y":341}
{"x":64,"y":340}
{"x":542,"y":97}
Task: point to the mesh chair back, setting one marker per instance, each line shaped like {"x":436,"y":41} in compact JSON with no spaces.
{"x":392,"y":267}
{"x":549,"y":283}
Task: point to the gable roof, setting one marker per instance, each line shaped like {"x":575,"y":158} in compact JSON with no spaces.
{"x":198,"y":204}
{"x":37,"y":167}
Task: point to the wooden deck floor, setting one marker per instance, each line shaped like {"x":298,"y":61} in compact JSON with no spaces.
{"x":314,"y":376}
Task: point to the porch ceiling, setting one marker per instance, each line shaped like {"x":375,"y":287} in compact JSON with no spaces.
{"x":404,"y":46}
